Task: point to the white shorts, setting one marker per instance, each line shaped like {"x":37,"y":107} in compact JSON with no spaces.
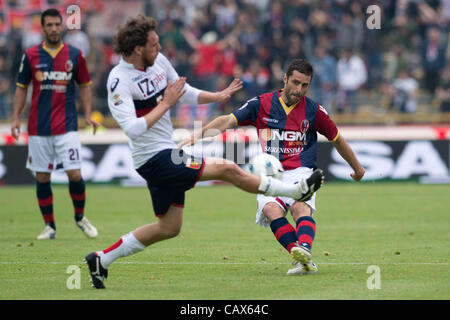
{"x":47,"y":153}
{"x":290,"y":176}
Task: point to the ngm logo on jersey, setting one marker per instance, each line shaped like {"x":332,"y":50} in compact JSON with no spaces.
{"x":60,"y":78}
{"x":293,"y":141}
{"x":54,"y":75}
{"x":268,"y":134}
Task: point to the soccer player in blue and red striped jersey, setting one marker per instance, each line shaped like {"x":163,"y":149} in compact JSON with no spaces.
{"x":54,"y":68}
{"x":287,"y":122}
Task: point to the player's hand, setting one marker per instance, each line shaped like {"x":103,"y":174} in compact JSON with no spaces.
{"x":15,"y":128}
{"x":225,"y":94}
{"x":187,"y":142}
{"x":93,"y":123}
{"x":358,"y":174}
{"x":174,"y":92}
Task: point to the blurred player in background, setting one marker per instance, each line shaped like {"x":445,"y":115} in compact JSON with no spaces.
{"x":53,"y":67}
{"x":141,"y":90}
{"x":287,"y":123}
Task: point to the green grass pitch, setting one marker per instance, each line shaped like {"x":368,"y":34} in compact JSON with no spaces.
{"x":401,"y":228}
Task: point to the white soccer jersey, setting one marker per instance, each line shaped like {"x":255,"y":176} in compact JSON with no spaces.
{"x":132,"y":93}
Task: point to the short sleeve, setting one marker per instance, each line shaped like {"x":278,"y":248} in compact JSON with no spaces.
{"x":81,"y":72}
{"x":324,"y":125}
{"x":248,"y":113}
{"x":24,"y":76}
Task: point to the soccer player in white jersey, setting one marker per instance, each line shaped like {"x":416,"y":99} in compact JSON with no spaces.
{"x":141,"y":90}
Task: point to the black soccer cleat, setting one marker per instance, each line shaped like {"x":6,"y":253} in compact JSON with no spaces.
{"x":311,"y":185}
{"x":97,"y":272}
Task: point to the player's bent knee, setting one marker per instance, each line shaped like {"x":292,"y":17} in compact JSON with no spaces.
{"x":170,"y":231}
{"x":273,"y":211}
{"x":300,"y":209}
{"x":230,"y":170}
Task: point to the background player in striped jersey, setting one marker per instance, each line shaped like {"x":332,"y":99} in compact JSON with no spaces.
{"x":53,"y":67}
{"x":141,"y":90}
{"x":287,"y":123}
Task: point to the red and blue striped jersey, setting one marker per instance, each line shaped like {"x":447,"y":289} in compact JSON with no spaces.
{"x":288,"y":132}
{"x":53,"y":75}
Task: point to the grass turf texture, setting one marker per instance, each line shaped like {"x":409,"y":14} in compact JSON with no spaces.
{"x":403,"y":228}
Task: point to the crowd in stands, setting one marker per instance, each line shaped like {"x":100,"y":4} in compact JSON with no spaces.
{"x":213,"y":41}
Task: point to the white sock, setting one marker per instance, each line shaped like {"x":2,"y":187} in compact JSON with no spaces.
{"x":127,"y":245}
{"x":274,"y":187}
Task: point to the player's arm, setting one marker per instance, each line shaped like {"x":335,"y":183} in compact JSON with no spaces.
{"x":347,"y":153}
{"x":212,"y":129}
{"x":86,"y":103}
{"x":20,"y":97}
{"x":198,"y":96}
{"x":245,"y":115}
{"x":220,"y":96}
{"x":84,"y":84}
{"x":327,"y":127}
{"x":121,"y":105}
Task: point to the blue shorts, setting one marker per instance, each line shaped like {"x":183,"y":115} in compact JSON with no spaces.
{"x":169,"y":174}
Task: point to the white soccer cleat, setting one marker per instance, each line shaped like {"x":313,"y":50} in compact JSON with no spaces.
{"x":89,"y":230}
{"x":47,"y":233}
{"x":299,"y":269}
{"x":302,"y":258}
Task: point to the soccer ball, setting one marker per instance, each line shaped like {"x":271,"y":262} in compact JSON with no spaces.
{"x":266,"y":165}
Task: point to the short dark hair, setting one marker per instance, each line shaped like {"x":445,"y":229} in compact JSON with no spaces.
{"x":302,"y":66}
{"x":133,"y":33}
{"x":52,"y":12}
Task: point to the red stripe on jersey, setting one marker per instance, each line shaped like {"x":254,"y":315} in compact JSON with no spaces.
{"x":33,"y":58}
{"x":58,"y":115}
{"x":143,"y":112}
{"x":292,"y":161}
{"x":81,"y":71}
{"x":324,"y":125}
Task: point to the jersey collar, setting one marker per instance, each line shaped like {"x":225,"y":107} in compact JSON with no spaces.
{"x":52,"y":53}
{"x":287,"y":108}
{"x":130,"y":65}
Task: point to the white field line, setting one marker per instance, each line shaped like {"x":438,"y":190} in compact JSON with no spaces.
{"x":226,"y":263}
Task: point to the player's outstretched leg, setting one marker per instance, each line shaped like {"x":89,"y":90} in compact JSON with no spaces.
{"x":225,"y":170}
